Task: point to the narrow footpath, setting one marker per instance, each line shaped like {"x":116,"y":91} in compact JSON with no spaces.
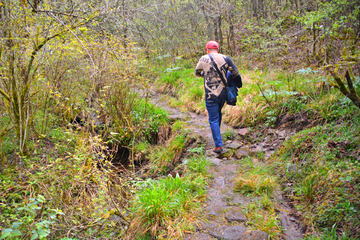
{"x":222,"y":216}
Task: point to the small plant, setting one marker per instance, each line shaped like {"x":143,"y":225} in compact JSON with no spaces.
{"x":197,"y":150}
{"x":266,"y":202}
{"x":198,"y":164}
{"x":260,"y":155}
{"x":229,"y":134}
{"x":308,"y":186}
{"x":29,"y":212}
{"x":271,"y":118}
{"x":263,"y":218}
{"x":161,"y":204}
{"x":178,"y":126}
{"x":256,"y":184}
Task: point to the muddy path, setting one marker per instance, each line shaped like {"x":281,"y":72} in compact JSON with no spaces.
{"x":222,"y":216}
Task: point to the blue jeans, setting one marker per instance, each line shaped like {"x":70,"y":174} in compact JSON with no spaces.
{"x":214,"y":107}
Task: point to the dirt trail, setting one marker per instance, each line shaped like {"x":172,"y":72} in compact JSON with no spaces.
{"x":222,"y":217}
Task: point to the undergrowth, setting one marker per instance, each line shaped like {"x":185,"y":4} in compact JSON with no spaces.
{"x":265,"y":98}
{"x":185,"y":91}
{"x":61,"y":194}
{"x":320,"y":167}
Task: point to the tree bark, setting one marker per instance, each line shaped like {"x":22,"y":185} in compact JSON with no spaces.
{"x":351,"y":93}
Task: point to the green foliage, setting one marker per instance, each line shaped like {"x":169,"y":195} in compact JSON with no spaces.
{"x":166,"y":206}
{"x":197,"y":164}
{"x":142,"y":146}
{"x":321,"y":166}
{"x":52,"y":180}
{"x":229,"y":134}
{"x":333,"y":12}
{"x":149,"y":118}
{"x":178,"y":126}
{"x":27,"y":218}
{"x":197,"y":150}
{"x":185,"y":89}
{"x":163,"y":157}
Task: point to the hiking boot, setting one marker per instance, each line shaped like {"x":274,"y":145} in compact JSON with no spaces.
{"x":218,"y":149}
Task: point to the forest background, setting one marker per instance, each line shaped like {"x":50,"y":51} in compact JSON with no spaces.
{"x":75,"y":79}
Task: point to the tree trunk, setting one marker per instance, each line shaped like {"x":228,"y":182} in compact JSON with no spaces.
{"x":217,"y":30}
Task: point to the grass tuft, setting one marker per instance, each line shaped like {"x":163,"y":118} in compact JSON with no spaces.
{"x":167,"y":207}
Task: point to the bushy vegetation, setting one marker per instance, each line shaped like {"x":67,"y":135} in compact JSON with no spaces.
{"x":71,"y":183}
{"x":60,"y":188}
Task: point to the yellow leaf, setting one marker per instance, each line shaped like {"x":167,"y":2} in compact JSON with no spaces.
{"x":108,"y":214}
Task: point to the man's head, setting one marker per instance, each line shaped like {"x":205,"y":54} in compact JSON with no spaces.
{"x":212,"y":46}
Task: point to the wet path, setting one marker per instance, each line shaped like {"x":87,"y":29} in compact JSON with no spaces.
{"x":222,"y":216}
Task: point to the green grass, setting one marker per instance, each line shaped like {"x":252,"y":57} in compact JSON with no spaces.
{"x":197,"y":164}
{"x":148,"y":118}
{"x":183,"y":88}
{"x":257,"y":180}
{"x":168,"y":206}
{"x":321,"y":166}
{"x":262,"y":216}
{"x":286,"y":93}
{"x":330,"y":234}
{"x":162,"y":158}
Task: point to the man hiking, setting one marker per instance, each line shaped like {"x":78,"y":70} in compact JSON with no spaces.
{"x":215,"y":91}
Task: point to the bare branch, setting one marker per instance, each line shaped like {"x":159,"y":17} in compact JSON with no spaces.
{"x":2,"y":92}
{"x":70,"y":29}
